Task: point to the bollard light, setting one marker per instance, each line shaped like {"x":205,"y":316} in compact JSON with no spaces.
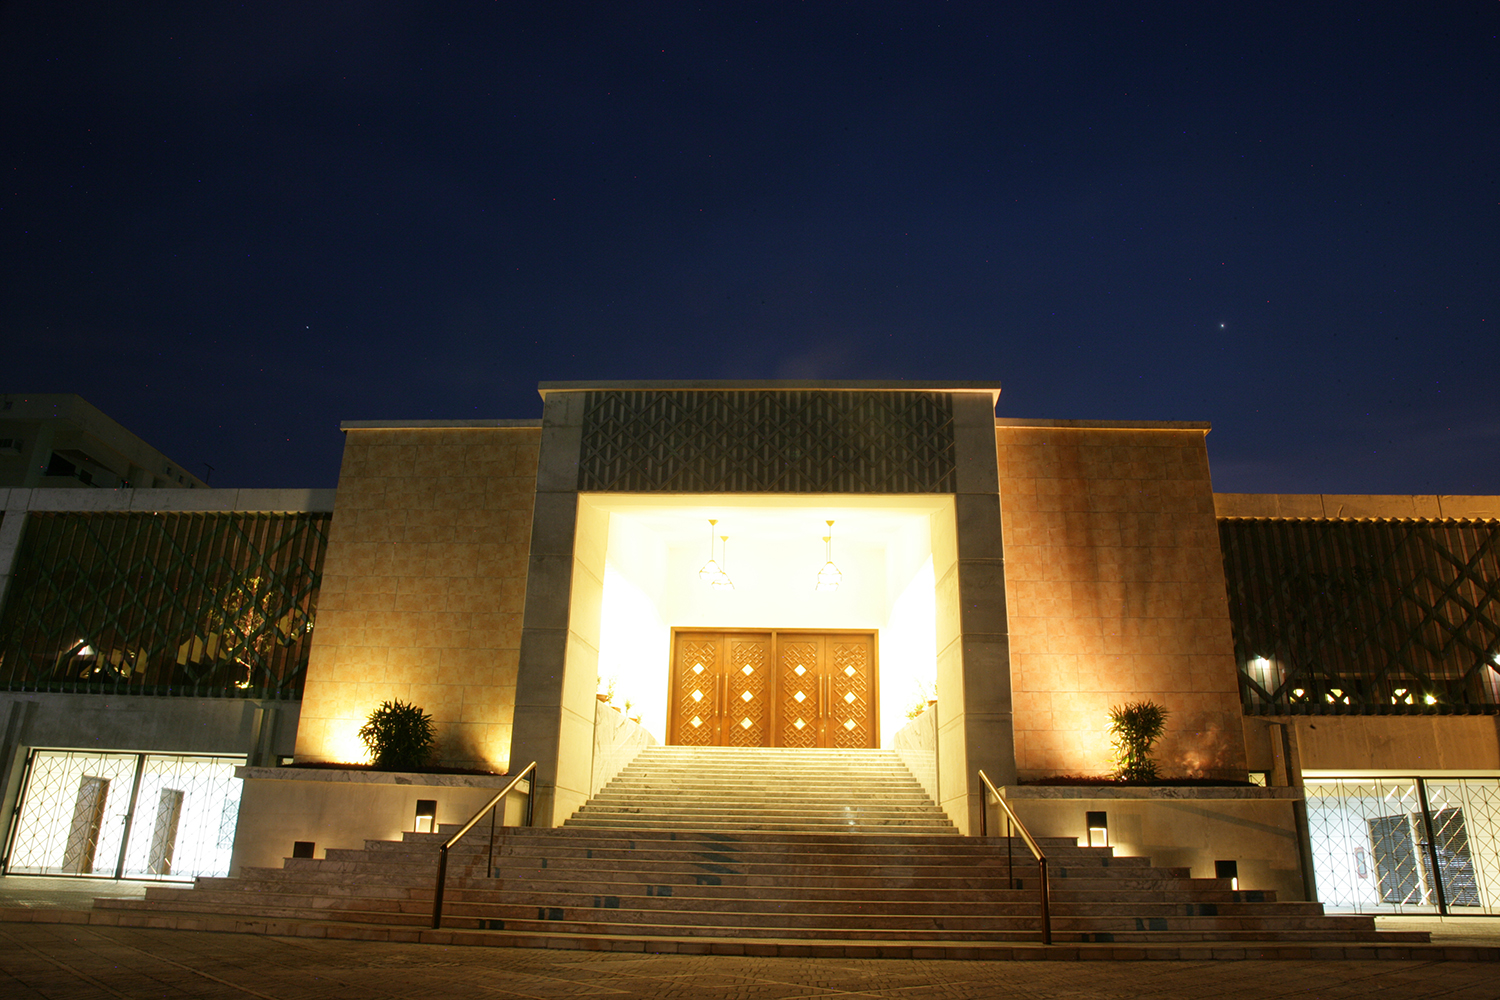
{"x":1098,"y":824}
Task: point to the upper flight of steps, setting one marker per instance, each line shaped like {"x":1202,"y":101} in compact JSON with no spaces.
{"x":769,"y":791}
{"x":781,"y":851}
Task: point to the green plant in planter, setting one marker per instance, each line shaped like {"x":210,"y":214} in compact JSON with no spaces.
{"x":1134,"y":728}
{"x":399,"y":736}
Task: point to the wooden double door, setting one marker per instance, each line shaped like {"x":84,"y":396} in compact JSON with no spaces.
{"x":773,"y":689}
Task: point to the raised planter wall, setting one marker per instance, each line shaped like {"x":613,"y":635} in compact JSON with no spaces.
{"x":1178,"y":827}
{"x":343,"y":809}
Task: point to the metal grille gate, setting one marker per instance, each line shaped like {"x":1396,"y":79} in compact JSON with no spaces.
{"x":1407,"y":844}
{"x":125,"y":815}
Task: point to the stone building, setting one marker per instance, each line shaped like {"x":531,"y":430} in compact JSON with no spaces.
{"x":1331,"y":662}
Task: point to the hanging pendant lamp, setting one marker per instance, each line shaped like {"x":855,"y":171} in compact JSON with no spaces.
{"x":723,"y":582}
{"x":710,"y":571}
{"x":829,"y":577}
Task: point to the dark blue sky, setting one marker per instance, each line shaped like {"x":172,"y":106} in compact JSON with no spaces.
{"x":232,"y":226}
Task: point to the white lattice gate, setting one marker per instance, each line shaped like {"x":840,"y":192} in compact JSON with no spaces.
{"x":125,"y":815}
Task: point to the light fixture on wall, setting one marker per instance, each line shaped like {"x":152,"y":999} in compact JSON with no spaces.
{"x":1098,"y":827}
{"x":713,"y":573}
{"x":829,"y":577}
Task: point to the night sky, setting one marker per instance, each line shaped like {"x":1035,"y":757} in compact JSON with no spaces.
{"x":232,"y":225}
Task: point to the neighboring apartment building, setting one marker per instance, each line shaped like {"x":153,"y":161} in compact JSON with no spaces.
{"x":673,"y":541}
{"x":51,"y":440}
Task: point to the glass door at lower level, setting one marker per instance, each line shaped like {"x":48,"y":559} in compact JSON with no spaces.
{"x":1406,"y":845}
{"x":125,"y":815}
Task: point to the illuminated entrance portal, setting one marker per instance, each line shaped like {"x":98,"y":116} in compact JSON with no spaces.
{"x":773,"y":689}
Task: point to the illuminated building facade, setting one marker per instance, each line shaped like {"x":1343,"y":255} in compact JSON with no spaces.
{"x":677,"y":545}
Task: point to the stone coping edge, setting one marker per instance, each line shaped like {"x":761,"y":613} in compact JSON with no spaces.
{"x":377,"y":425}
{"x":335,"y":776}
{"x":168,"y":500}
{"x":1186,"y":951}
{"x":1120,"y":425}
{"x":1251,"y":794}
{"x":771,"y":385}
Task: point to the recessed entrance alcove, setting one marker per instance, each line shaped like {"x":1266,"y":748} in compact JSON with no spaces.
{"x":886,"y":548}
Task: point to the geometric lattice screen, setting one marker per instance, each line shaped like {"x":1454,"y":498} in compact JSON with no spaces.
{"x":136,"y":816}
{"x":1365,"y":617}
{"x":1377,"y":850}
{"x":170,"y":604}
{"x":778,"y":442}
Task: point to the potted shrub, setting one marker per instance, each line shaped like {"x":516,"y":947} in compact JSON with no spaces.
{"x":399,"y":737}
{"x":1134,"y":728}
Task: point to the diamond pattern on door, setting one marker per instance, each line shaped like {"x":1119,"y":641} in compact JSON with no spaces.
{"x":799,"y":693}
{"x":773,"y":689}
{"x":748,"y":704}
{"x":697,"y":677}
{"x":849,"y":711}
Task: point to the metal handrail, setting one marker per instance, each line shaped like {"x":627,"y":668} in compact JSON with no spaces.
{"x":442,"y":871}
{"x":1013,"y":823}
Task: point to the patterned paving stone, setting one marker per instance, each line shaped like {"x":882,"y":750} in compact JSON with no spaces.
{"x":62,"y":961}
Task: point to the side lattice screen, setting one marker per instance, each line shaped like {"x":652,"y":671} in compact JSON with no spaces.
{"x":786,"y":442}
{"x":188,"y":604}
{"x":1365,"y":617}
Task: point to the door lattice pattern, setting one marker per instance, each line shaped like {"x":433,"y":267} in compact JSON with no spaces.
{"x":182,"y":604}
{"x":800,"y":711}
{"x":784,"y":442}
{"x":849,"y":706}
{"x":1365,"y":617}
{"x":746,"y":719}
{"x":765,"y":689}
{"x":72,"y":816}
{"x":1371,"y":851}
{"x":696,"y":687}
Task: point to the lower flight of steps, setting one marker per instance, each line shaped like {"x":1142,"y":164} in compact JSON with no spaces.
{"x":774,"y":853}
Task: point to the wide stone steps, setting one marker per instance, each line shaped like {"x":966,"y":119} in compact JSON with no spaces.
{"x":698,"y":923}
{"x":603,"y":881}
{"x":779,"y":850}
{"x":476,"y":892}
{"x":775,"y":791}
{"x":764,"y":825}
{"x":532,"y":888}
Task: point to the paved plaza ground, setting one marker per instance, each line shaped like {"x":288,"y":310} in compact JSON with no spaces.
{"x":64,"y":962}
{"x":59,"y":961}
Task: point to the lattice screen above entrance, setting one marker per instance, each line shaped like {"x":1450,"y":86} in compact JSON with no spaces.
{"x":783,"y":441}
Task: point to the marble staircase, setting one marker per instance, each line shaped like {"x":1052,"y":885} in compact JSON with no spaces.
{"x":764,"y":852}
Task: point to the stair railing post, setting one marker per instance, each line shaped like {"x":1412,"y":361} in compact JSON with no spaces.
{"x":489,"y":859}
{"x":1010,"y":875}
{"x":442,"y":872}
{"x":1046,"y":903}
{"x":1014,"y":825}
{"x":437,"y":892}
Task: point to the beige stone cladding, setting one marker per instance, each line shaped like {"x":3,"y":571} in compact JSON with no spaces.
{"x":423,"y":589}
{"x":1343,"y":507}
{"x":1409,"y":744}
{"x":1115,"y":590}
